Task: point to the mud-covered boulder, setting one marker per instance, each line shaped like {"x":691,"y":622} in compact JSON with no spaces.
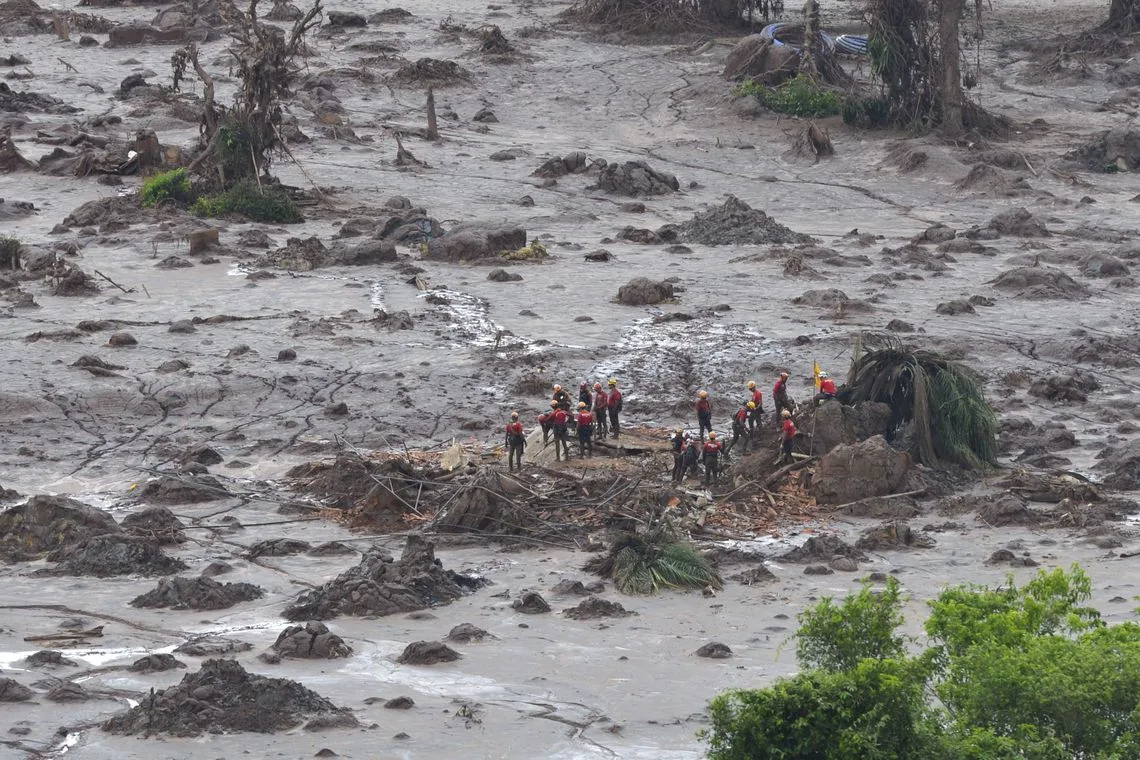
{"x":49,"y":658}
{"x":313,"y":640}
{"x":822,"y":548}
{"x":530,"y":603}
{"x":46,"y":523}
{"x":277,"y":547}
{"x":1072,"y":386}
{"x":197,"y":594}
{"x":733,"y":222}
{"x":14,"y":691}
{"x":183,"y":489}
{"x":559,"y":166}
{"x":476,"y":242}
{"x":381,"y":585}
{"x":156,"y":663}
{"x":857,"y":471}
{"x":427,"y":653}
{"x":157,"y":524}
{"x":112,"y":554}
{"x":595,"y":607}
{"x":1018,"y":222}
{"x":895,"y":534}
{"x":636,"y":178}
{"x":209,"y":645}
{"x":754,"y":575}
{"x":1007,"y":509}
{"x":642,"y":291}
{"x":1121,"y":466}
{"x":714,"y":650}
{"x":222,"y":697}
{"x":465,"y":633}
{"x":1039,"y":282}
{"x":1102,"y":265}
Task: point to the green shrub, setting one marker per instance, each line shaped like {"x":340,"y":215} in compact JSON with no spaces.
{"x":647,"y":562}
{"x":259,"y":204}
{"x":866,"y":113}
{"x":838,"y":637}
{"x":799,"y":96}
{"x":10,"y":249}
{"x":172,"y":185}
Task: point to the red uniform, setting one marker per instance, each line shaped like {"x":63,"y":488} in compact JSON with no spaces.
{"x":827,"y":386}
{"x":516,"y":441}
{"x":789,"y":429}
{"x":560,"y":418}
{"x":601,"y":401}
{"x":703,"y":405}
{"x":780,"y":390}
{"x":758,"y":398}
{"x":585,"y":419}
{"x":741,"y":415}
{"x":614,"y":408}
{"x":515,"y":429}
{"x":712,"y":448}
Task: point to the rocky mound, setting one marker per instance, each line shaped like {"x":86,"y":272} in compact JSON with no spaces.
{"x":855,"y":471}
{"x":313,"y":640}
{"x":1073,"y":386}
{"x":157,"y":524}
{"x":305,"y":255}
{"x":1019,"y":223}
{"x":1007,"y":509}
{"x":641,"y":291}
{"x":1039,"y":282}
{"x":893,"y":535}
{"x":822,"y":548}
{"x":277,"y":547}
{"x":474,"y":242}
{"x":595,"y":607}
{"x":222,"y":697}
{"x":113,"y":554}
{"x":183,"y":489}
{"x":465,"y":633}
{"x":47,"y":523}
{"x":156,"y":663}
{"x":381,"y":490}
{"x":14,"y":691}
{"x":735,"y":223}
{"x":1121,"y":465}
{"x":636,"y":178}
{"x":432,"y":71}
{"x":197,"y":594}
{"x":427,"y":653}
{"x":380,"y":585}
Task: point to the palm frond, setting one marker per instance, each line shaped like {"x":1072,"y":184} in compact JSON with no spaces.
{"x":644,"y":564}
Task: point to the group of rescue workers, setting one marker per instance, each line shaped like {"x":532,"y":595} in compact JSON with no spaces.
{"x":598,"y":416}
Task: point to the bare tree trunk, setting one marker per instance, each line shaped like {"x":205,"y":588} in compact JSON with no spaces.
{"x":1123,"y":15}
{"x":432,"y":128}
{"x":952,"y":96}
{"x":812,"y":40}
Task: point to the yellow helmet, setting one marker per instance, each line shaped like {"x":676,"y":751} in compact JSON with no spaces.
{"x":613,"y":381}
{"x":581,"y":404}
{"x":712,"y":435}
{"x":751,"y":384}
{"x":703,"y":394}
{"x":751,"y":404}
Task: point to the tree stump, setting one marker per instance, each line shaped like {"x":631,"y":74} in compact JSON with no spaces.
{"x":150,"y":153}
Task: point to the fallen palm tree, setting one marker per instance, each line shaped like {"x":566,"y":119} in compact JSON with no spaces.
{"x":645,"y":563}
{"x":944,"y":401}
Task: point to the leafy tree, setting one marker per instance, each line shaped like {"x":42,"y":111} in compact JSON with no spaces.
{"x":838,"y":637}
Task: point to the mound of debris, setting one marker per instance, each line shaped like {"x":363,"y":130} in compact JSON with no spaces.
{"x":893,"y":535}
{"x":856,"y":471}
{"x":307,"y":254}
{"x":571,"y":163}
{"x":47,"y":523}
{"x":380,"y":585}
{"x":157,"y":663}
{"x":1008,"y":509}
{"x":427,"y":653}
{"x":313,"y":640}
{"x":489,"y":504}
{"x":398,"y":221}
{"x":277,"y":547}
{"x":636,"y":178}
{"x":832,"y":299}
{"x":834,"y":423}
{"x":1117,"y":149}
{"x":595,"y":607}
{"x":1102,"y":265}
{"x":823,"y":548}
{"x":14,"y":691}
{"x":1038,"y":282}
{"x":431,"y":71}
{"x":641,"y":291}
{"x":756,"y":58}
{"x":1074,"y":386}
{"x":734,"y":223}
{"x":1018,"y":222}
{"x":383,"y":492}
{"x":1121,"y":465}
{"x":183,"y":489}
{"x":197,"y":594}
{"x":222,"y":697}
{"x":476,"y":242}
{"x":112,"y":554}
{"x":157,"y":524}
{"x":465,"y":633}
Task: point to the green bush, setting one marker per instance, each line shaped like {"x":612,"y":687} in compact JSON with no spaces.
{"x":10,"y":250}
{"x":172,"y":185}
{"x":799,"y":96}
{"x":259,"y":204}
{"x":647,"y":562}
{"x":866,"y":113}
{"x":1024,"y":673}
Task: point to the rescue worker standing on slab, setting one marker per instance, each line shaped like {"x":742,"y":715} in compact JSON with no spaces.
{"x":585,"y":430}
{"x":827,"y":388}
{"x":711,"y":456}
{"x":561,"y":424}
{"x":614,"y":406}
{"x":516,"y":442}
{"x":601,"y":402}
{"x":704,"y":414}
{"x":689,"y":457}
{"x":562,"y":398}
{"x":787,"y":437}
{"x":781,"y":400}
{"x":754,"y":412}
{"x":677,"y":443}
{"x":546,"y":421}
{"x":741,"y":424}
{"x":584,"y":396}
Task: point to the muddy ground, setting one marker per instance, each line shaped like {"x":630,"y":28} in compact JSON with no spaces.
{"x":547,"y":684}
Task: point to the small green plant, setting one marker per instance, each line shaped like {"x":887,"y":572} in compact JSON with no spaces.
{"x":172,"y":185}
{"x":10,"y":249}
{"x":799,"y":96}
{"x":646,"y":563}
{"x":260,"y":204}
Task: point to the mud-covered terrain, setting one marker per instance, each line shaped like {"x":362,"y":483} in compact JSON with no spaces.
{"x":167,"y":385}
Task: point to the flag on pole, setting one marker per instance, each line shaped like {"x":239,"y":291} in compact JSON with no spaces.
{"x":815,"y":371}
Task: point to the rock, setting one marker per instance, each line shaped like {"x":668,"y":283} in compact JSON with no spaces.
{"x":530,"y":603}
{"x":465,"y":633}
{"x":1007,"y":509}
{"x":939,"y":233}
{"x":954,"y":308}
{"x":47,"y":523}
{"x":182,"y":327}
{"x":380,"y":585}
{"x":822,"y":547}
{"x":1039,"y":282}
{"x":277,"y":547}
{"x":594,"y":607}
{"x":714,"y":650}
{"x":1074,"y":386}
{"x":641,"y":291}
{"x":345,"y":18}
{"x":286,"y":355}
{"x":121,"y":339}
{"x":400,"y":703}
{"x":173,"y":262}
{"x":48,"y":658}
{"x":1121,"y":465}
{"x":502,"y":275}
{"x":756,"y":58}
{"x":567,"y":587}
{"x":312,"y":640}
{"x":485,"y":116}
{"x":339,"y":409}
{"x":190,"y":489}
{"x":427,"y":653}
{"x":754,"y":575}
{"x":202,"y":240}
{"x":572,"y":163}
{"x":156,"y":663}
{"x":157,"y":524}
{"x":223,"y":698}
{"x":197,"y":594}
{"x":476,"y":241}
{"x":1102,"y":265}
{"x":1018,"y":222}
{"x":856,"y":471}
{"x":893,"y":535}
{"x":367,"y":253}
{"x":844,"y":564}
{"x":733,"y":222}
{"x":13,"y":691}
{"x":212,"y":646}
{"x":68,"y":692}
{"x":331,"y":549}
{"x":173,"y":365}
{"x":818,"y":570}
{"x":899,"y":326}
{"x":636,"y":178}
{"x":112,"y":554}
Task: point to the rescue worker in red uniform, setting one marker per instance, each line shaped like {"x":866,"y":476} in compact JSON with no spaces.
{"x":711,"y":456}
{"x":546,"y":422}
{"x":787,"y":437}
{"x":614,"y":406}
{"x":516,"y":442}
{"x":827,"y":388}
{"x":689,"y":457}
{"x":562,"y":398}
{"x":560,"y":424}
{"x":584,"y":395}
{"x":585,"y":430}
{"x":783,"y":403}
{"x":741,"y":422}
{"x":677,"y":443}
{"x":704,"y":414}
{"x":757,"y":398}
{"x":601,"y":402}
